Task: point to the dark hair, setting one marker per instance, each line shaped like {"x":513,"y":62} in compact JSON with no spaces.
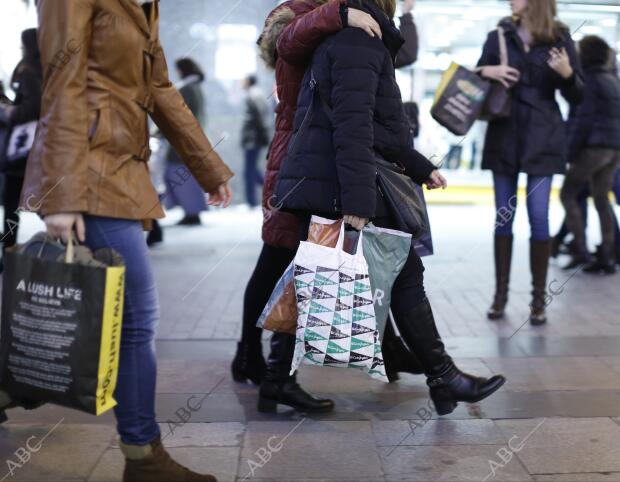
{"x":29,"y":41}
{"x":188,"y":67}
{"x":594,"y":51}
{"x":252,"y":80}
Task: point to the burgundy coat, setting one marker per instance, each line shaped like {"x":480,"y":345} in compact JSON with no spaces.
{"x":293,"y":29}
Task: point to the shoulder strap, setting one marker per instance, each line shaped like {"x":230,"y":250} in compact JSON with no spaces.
{"x":503,"y":50}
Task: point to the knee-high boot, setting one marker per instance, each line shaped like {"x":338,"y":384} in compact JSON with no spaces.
{"x":397,"y":356}
{"x":539,"y":265}
{"x":280,"y":387}
{"x":448,"y":385}
{"x":503,"y":260}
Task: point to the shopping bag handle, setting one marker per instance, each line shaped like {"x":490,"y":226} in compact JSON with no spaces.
{"x":359,"y":251}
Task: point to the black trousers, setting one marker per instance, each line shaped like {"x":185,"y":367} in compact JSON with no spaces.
{"x":10,"y":200}
{"x":269,"y":268}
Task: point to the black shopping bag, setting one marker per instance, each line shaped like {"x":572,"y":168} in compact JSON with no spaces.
{"x":61,"y":327}
{"x":459,"y":99}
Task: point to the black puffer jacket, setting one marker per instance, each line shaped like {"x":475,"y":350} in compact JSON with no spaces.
{"x":534,"y":138}
{"x":596,"y":121}
{"x":334,"y":170}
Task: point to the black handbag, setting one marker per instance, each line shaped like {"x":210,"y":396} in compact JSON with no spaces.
{"x":403,"y":200}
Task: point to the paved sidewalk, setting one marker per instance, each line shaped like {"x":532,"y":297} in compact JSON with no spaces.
{"x":557,"y":418}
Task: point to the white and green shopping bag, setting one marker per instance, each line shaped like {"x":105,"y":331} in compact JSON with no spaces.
{"x":336,"y":326}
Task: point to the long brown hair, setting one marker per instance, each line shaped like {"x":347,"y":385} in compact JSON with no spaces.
{"x":540,"y":19}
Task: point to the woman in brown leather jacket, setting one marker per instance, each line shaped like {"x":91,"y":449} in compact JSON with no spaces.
{"x":104,"y":72}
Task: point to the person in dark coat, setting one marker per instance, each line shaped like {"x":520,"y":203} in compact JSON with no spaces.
{"x":354,"y":113}
{"x":542,"y":60}
{"x":182,"y":189}
{"x":254,"y":136}
{"x":594,"y":154}
{"x":26,"y":83}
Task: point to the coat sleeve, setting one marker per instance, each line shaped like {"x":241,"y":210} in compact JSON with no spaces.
{"x":30,"y":93}
{"x":408,"y":53}
{"x":355,"y":71}
{"x":417,"y":166}
{"x":64,"y":34}
{"x":302,"y":36}
{"x":182,"y":129}
{"x":581,"y":121}
{"x":572,"y":89}
{"x":490,"y":52}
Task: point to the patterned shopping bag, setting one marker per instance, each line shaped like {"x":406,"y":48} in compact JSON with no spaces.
{"x":337,"y":325}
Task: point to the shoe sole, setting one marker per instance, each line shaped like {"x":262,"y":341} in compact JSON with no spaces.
{"x":271,"y":406}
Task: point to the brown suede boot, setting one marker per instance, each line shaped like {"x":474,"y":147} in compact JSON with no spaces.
{"x":151,"y":463}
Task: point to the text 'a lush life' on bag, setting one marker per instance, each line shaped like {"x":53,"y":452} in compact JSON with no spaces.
{"x":337,"y":325}
{"x":62,"y":312}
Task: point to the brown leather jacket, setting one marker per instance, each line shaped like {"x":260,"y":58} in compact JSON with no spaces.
{"x":104,"y":71}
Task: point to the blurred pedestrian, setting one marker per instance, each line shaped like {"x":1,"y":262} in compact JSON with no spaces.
{"x":254,"y":136}
{"x":21,"y":116}
{"x":87,"y":173}
{"x":182,"y":189}
{"x":542,"y":60}
{"x":594,"y":154}
{"x":333,"y":173}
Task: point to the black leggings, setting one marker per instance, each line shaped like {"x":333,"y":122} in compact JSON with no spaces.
{"x":270,"y":267}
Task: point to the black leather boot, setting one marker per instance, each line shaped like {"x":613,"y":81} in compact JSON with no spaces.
{"x":503,"y":261}
{"x":279,"y":387}
{"x":249,"y":363}
{"x":396,"y":356}
{"x":604,"y":262}
{"x":448,"y":385}
{"x":539,"y":266}
{"x":6,"y":402}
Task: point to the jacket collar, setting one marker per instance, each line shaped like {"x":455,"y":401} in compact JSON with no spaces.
{"x":136,"y":13}
{"x":392,"y":37}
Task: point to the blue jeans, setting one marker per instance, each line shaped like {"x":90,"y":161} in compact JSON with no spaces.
{"x":252,"y":176}
{"x":135,"y":391}
{"x":538,"y":192}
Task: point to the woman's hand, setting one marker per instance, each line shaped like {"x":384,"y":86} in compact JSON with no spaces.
{"x":436,"y":180}
{"x":505,"y":74}
{"x":356,"y":222}
{"x":221,"y":197}
{"x":362,"y":20}
{"x":560,"y":62}
{"x":60,"y":226}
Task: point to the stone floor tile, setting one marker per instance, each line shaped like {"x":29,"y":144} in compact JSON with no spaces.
{"x":218,"y":461}
{"x":563,"y":445}
{"x":441,"y":432}
{"x":458,"y":463}
{"x":317,"y":449}
{"x":186,"y":376}
{"x":582,"y":477}
{"x":65,"y":451}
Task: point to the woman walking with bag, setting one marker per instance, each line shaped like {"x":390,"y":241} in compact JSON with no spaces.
{"x":292,"y":31}
{"x":104,"y":71}
{"x":354,"y":114}
{"x":532,"y":137}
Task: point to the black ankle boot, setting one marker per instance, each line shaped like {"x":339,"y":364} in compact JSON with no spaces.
{"x":279,"y":387}
{"x":455,"y":386}
{"x":396,"y":356}
{"x":604,"y":262}
{"x":3,"y":417}
{"x":248,"y":364}
{"x":448,"y":385}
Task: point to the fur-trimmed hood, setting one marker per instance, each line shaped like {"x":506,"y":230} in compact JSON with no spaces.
{"x":274,"y":25}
